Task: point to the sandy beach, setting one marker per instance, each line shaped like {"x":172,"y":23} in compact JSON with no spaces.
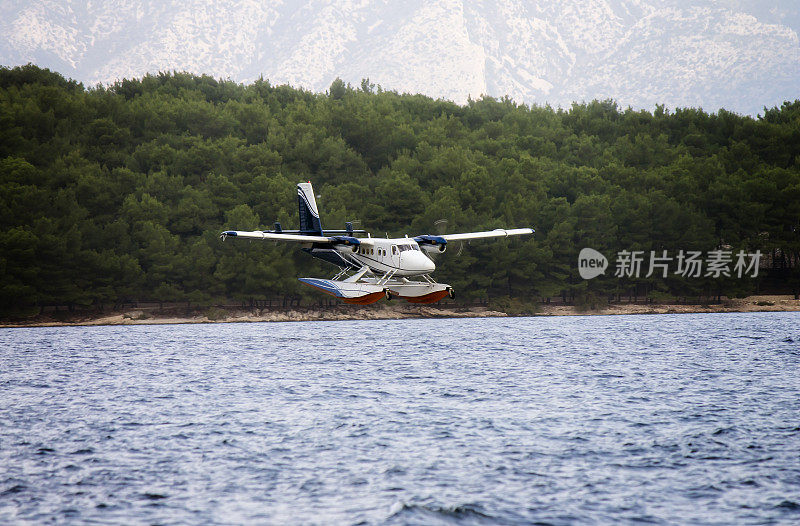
{"x":393,"y":311}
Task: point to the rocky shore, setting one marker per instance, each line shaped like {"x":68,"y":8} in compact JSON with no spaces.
{"x":394,"y":311}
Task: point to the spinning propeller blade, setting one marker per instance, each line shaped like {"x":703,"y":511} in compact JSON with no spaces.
{"x":440,"y":227}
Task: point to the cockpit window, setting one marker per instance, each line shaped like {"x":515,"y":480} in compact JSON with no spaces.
{"x":403,"y":248}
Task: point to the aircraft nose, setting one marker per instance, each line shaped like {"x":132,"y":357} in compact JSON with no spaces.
{"x":418,"y":262}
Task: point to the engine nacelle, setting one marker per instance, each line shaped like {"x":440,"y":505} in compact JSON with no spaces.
{"x":433,"y":249}
{"x":347,"y":241}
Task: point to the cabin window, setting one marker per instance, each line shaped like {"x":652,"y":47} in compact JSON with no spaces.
{"x":394,"y":250}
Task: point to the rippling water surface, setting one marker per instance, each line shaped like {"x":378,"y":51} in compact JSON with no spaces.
{"x":664,"y":419}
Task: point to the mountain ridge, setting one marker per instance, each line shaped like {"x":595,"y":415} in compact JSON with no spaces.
{"x":710,"y":54}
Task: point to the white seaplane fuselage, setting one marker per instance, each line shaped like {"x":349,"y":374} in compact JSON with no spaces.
{"x":400,"y":256}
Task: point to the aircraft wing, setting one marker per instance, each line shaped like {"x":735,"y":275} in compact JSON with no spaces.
{"x":274,"y":236}
{"x":442,"y":240}
{"x":296,"y":238}
{"x":498,"y":232}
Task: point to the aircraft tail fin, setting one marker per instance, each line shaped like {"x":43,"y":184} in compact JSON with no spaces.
{"x":309,"y":215}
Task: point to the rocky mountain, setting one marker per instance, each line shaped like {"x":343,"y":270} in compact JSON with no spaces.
{"x":700,"y":53}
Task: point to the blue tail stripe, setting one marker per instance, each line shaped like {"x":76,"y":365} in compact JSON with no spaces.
{"x":309,"y":222}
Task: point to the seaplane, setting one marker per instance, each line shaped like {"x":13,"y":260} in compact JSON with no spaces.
{"x":370,"y":268}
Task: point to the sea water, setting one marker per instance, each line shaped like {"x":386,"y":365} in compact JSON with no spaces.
{"x":666,"y":419}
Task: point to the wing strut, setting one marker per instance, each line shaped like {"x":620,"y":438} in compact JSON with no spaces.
{"x":358,"y":275}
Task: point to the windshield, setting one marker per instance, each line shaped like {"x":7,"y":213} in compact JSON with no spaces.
{"x":403,"y":248}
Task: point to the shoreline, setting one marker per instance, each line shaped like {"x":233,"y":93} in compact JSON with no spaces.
{"x":395,"y":312}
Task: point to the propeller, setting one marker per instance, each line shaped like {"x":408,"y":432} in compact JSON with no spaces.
{"x":440,"y":227}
